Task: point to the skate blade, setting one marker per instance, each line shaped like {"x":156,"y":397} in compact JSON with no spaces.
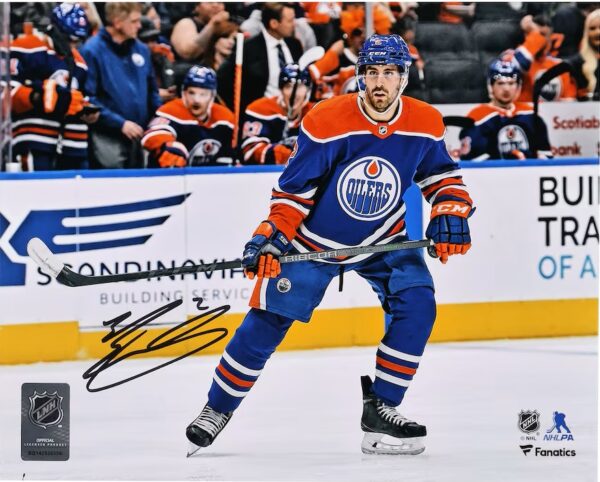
{"x":192,"y":449}
{"x":381,"y":444}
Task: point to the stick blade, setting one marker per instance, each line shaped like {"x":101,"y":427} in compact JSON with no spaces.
{"x":44,"y":258}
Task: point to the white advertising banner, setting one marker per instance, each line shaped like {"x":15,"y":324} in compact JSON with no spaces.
{"x":573,"y":127}
{"x":535,"y":236}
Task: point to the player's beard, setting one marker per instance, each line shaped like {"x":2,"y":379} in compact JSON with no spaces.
{"x":381,"y":103}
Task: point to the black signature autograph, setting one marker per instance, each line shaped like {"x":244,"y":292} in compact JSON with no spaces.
{"x":123,"y":337}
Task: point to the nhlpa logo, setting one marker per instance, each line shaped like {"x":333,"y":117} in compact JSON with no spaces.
{"x":512,"y":137}
{"x":369,"y":188}
{"x":45,"y":409}
{"x":529,"y":421}
{"x":80,"y":229}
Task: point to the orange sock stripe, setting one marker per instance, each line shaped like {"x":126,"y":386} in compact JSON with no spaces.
{"x":396,"y":367}
{"x":232,"y":378}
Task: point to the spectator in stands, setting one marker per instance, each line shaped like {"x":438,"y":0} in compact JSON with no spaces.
{"x":264,"y":56}
{"x":191,"y":35}
{"x":162,"y":59}
{"x":586,"y":64}
{"x":121,"y":81}
{"x":271,"y":124}
{"x":322,"y":17}
{"x":533,"y":59}
{"x":568,"y":20}
{"x":353,"y":16}
{"x":192,"y":130}
{"x":503,"y":128}
{"x":220,"y":45}
{"x":456,"y":12}
{"x":343,"y":79}
{"x":48,"y":75}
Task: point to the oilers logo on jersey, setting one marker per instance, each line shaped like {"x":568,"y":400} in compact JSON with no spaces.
{"x":510,"y":138}
{"x":204,"y":151}
{"x":369,"y":188}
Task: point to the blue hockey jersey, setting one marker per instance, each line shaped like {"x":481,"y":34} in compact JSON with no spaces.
{"x":504,"y":134}
{"x":34,"y":60}
{"x":345,"y":180}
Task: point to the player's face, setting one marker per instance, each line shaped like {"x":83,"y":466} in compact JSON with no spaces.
{"x":594,"y":34}
{"x":128,"y":26}
{"x":299,"y":100}
{"x":383,"y":85}
{"x":197,"y":100}
{"x":504,"y":90}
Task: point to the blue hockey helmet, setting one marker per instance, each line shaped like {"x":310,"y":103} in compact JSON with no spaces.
{"x":291,"y":74}
{"x":71,"y":20}
{"x":200,"y":76}
{"x":385,"y":50}
{"x":500,"y":68}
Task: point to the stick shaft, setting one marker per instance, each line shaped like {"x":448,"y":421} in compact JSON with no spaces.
{"x":71,"y":278}
{"x":237,"y":87}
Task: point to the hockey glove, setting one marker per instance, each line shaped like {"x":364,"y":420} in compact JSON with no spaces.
{"x":59,"y":101}
{"x":261,"y":253}
{"x":449,"y":228}
{"x":173,"y":154}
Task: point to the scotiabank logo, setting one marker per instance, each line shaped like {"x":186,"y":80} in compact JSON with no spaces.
{"x":80,"y":229}
{"x":579,"y":122}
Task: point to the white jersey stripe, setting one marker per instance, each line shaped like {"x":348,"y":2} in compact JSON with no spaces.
{"x":239,"y":367}
{"x":227,"y":388}
{"x":433,"y":179}
{"x":392,"y":379}
{"x":398,"y":354}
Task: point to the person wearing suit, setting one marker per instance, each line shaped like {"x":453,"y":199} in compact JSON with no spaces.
{"x":264,"y":55}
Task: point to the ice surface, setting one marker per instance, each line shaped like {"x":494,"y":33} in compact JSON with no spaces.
{"x":302,"y":419}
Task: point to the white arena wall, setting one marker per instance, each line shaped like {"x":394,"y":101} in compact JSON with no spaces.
{"x":532,"y":271}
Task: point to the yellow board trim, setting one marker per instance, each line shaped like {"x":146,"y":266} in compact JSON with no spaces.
{"x":59,"y":341}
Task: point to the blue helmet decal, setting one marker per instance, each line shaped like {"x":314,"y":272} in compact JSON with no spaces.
{"x":71,"y":19}
{"x":504,"y":69}
{"x":291,"y":73}
{"x":200,"y":76}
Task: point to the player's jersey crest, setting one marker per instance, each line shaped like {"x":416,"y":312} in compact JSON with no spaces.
{"x":512,"y":137}
{"x":368,"y":188}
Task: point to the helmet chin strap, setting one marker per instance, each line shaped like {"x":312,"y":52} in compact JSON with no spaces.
{"x":363,"y":97}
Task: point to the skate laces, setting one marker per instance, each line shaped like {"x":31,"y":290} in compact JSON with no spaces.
{"x":211,"y":420}
{"x":389,"y":414}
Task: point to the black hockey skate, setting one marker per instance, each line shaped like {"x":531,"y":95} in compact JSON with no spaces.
{"x":203,"y":431}
{"x":386,"y":431}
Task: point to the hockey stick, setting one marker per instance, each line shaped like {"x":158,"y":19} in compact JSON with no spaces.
{"x":237,"y":87}
{"x":51,"y":265}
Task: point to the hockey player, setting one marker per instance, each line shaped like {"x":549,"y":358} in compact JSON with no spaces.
{"x":48,"y":75}
{"x":503,"y":128}
{"x":269,"y":119}
{"x":191,"y":130}
{"x":355,"y":156}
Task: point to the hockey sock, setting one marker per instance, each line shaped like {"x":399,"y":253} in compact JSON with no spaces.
{"x":399,"y":353}
{"x":244,"y":357}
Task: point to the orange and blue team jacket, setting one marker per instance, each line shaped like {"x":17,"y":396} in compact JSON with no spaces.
{"x":33,"y":60}
{"x":263,"y":128}
{"x":207,"y":141}
{"x":498,"y":133}
{"x":345,"y":180}
{"x":533,"y":62}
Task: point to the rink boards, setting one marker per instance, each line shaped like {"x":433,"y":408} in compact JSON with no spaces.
{"x":532,"y":271}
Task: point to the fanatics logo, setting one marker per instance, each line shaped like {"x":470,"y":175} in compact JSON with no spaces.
{"x":369,"y":188}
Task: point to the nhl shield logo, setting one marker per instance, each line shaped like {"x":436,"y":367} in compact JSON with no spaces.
{"x":382,"y":130}
{"x":529,"y":421}
{"x":45,"y":409}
